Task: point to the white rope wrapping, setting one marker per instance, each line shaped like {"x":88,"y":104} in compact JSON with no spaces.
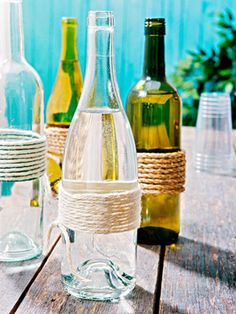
{"x":56,"y":139}
{"x":22,"y":155}
{"x":100,"y":213}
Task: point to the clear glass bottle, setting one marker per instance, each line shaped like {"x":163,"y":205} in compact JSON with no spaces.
{"x":100,"y":157}
{"x":64,"y":97}
{"x":21,"y":126}
{"x":154,"y":112}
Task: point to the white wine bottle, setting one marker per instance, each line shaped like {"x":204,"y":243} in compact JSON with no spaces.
{"x":99,"y":198}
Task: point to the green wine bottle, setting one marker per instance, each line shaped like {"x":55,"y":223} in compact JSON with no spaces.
{"x":154,"y":112}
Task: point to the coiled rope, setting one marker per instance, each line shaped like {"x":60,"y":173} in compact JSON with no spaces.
{"x":162,"y":173}
{"x":56,"y":139}
{"x":22,"y":155}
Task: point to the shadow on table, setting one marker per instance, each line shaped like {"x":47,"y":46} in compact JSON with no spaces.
{"x":204,"y":259}
{"x":139,"y":301}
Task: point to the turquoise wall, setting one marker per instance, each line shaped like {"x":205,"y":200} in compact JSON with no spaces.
{"x":190,"y":23}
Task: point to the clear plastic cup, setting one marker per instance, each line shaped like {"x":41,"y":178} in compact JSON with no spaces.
{"x":214,"y":150}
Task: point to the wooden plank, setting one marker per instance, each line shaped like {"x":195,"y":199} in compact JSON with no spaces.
{"x":199,"y":274}
{"x":46,"y":295}
{"x":15,"y":277}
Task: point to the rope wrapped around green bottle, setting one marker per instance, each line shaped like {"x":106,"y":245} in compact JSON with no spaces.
{"x":22,"y":155}
{"x":162,"y":173}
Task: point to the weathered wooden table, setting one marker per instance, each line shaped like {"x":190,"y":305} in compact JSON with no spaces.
{"x":196,"y":276}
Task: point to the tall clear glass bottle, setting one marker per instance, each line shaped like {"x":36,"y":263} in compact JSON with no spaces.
{"x":22,"y":146}
{"x":154,"y":112}
{"x":100,"y":159}
{"x":63,"y":99}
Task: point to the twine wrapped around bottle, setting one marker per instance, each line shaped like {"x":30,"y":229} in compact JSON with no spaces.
{"x":100,"y":212}
{"x":56,"y":139}
{"x":22,"y":155}
{"x":162,"y":173}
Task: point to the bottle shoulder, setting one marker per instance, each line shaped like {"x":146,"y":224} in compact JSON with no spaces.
{"x":68,"y":81}
{"x":151,"y":91}
{"x":69,"y":73}
{"x":66,"y":93}
{"x":150,"y":86}
{"x":22,"y":71}
{"x":103,"y":133}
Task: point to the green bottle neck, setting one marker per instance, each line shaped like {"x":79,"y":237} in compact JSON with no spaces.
{"x":69,"y":50}
{"x":154,"y":59}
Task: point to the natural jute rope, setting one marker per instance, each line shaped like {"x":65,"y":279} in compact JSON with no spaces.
{"x":22,"y":155}
{"x":56,"y":139}
{"x":162,"y":173}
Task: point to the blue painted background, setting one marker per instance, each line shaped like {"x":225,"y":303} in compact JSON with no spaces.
{"x":190,"y":24}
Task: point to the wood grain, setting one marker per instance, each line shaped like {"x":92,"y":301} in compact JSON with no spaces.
{"x":47,"y":295}
{"x":200,"y":272}
{"x":15,"y":277}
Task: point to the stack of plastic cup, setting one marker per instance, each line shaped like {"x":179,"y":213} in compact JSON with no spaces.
{"x":213,"y":150}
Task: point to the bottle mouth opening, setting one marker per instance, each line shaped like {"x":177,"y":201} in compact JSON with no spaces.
{"x":154,"y":21}
{"x":100,"y":19}
{"x":68,"y":20}
{"x":155,"y":26}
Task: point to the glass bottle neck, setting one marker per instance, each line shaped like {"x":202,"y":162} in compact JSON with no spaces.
{"x":69,"y":50}
{"x":100,"y":79}
{"x":154,"y":60}
{"x":16,"y":31}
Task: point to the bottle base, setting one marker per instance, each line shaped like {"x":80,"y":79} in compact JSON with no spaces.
{"x":104,"y":282}
{"x":157,"y":236}
{"x":18,"y":247}
{"x":96,"y":295}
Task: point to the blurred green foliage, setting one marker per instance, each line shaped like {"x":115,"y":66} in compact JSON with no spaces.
{"x":203,"y":71}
